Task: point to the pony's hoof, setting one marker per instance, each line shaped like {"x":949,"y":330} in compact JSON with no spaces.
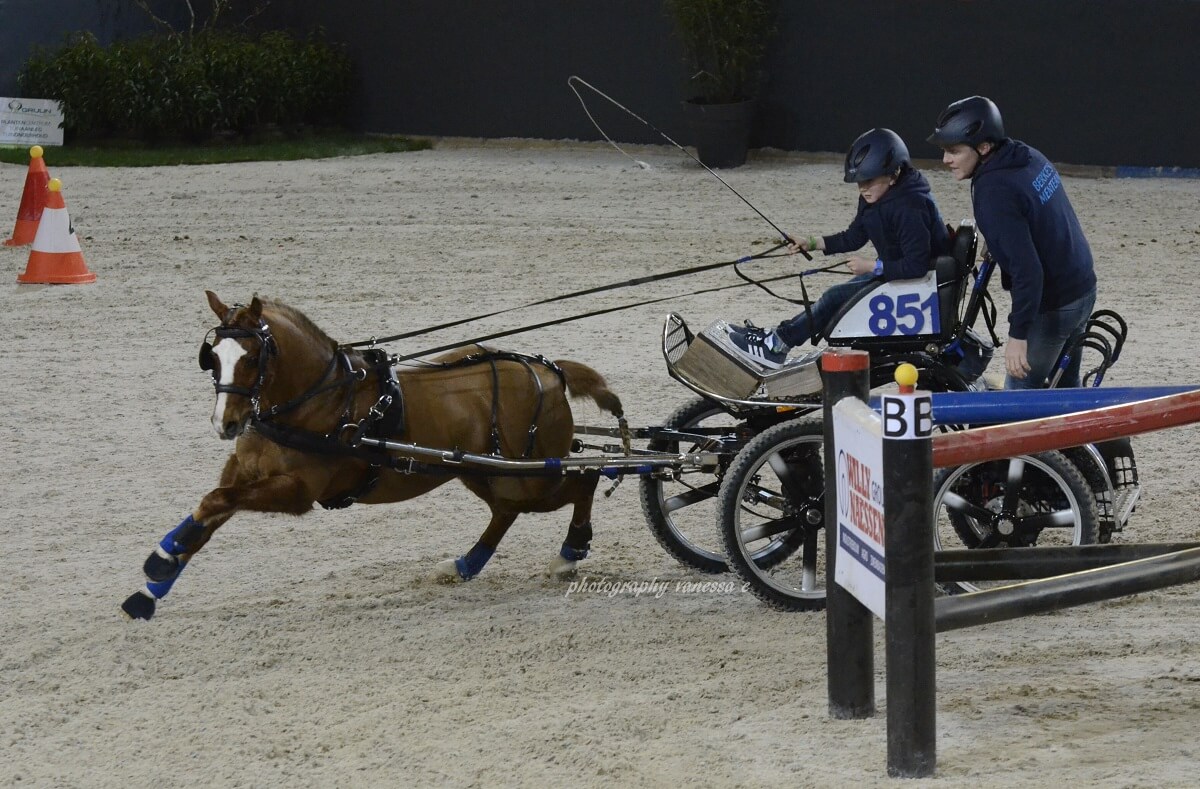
{"x":158,"y":568}
{"x":446,"y":572}
{"x":138,"y":606}
{"x":561,"y":568}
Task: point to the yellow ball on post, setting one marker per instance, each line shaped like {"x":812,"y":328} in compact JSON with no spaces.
{"x":906,"y":377}
{"x":36,"y":152}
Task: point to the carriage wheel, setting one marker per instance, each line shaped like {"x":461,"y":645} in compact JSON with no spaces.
{"x":1017,"y":502}
{"x":680,"y":512}
{"x":772,"y":504}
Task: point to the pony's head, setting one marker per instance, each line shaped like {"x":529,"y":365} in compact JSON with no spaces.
{"x":237,"y":358}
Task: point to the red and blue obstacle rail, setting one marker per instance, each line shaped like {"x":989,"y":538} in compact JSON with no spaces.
{"x":1143,"y":415}
{"x":1019,"y":405}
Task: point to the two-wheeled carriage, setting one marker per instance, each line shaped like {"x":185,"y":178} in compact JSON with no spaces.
{"x":761,"y":512}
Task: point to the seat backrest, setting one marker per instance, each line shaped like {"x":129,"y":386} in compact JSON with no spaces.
{"x":964,"y":245}
{"x":954,"y":273}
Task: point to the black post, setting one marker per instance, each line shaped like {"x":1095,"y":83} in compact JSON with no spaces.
{"x":908,"y":545}
{"x":849,"y":636}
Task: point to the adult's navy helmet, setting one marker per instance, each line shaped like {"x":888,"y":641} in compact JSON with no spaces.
{"x":969,"y":121}
{"x":878,"y":152}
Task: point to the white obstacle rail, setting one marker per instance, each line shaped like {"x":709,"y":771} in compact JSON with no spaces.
{"x":1064,"y":576}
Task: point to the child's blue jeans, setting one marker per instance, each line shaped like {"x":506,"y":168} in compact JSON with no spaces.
{"x":798,"y":330}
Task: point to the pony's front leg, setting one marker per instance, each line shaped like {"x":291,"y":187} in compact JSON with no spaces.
{"x":469,"y":565}
{"x":162,"y":568}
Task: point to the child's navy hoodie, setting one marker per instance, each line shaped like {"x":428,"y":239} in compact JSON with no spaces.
{"x":905,"y":227}
{"x":1032,"y":232}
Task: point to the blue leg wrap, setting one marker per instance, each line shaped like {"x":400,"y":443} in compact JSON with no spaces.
{"x":171,"y":543}
{"x":573,"y":554}
{"x":470,"y":565}
{"x":174,"y":548}
{"x":159,"y":589}
{"x":579,"y":540}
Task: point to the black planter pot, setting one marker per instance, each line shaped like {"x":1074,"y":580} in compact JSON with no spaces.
{"x":721,"y":132}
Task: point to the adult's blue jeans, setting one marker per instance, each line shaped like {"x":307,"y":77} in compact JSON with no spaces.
{"x":1049,"y":335}
{"x":798,"y":330}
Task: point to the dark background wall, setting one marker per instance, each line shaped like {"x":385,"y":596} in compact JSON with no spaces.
{"x":1103,"y":82}
{"x":25,"y":24}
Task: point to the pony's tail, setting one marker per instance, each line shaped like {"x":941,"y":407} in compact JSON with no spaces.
{"x":583,"y":381}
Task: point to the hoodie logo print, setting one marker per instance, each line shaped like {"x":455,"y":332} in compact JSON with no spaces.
{"x":1047,"y":183}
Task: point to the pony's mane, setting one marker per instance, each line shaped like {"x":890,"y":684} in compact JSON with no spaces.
{"x":301,"y":321}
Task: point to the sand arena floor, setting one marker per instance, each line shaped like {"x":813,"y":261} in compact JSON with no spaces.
{"x":313,"y":651}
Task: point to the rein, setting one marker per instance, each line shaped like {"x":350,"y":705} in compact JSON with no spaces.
{"x":564,"y":297}
{"x":804,"y":301}
{"x":397,"y":359}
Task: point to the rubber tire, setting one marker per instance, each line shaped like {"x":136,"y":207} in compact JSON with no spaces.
{"x":674,"y":541}
{"x":747,"y":563}
{"x":1056,"y":466}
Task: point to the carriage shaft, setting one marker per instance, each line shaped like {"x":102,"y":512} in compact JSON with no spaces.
{"x":640,"y":464}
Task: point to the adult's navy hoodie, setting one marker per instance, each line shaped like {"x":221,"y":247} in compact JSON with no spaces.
{"x":1032,"y":231}
{"x":905,"y":226}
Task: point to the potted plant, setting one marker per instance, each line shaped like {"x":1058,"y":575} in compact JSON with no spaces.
{"x":724,"y":42}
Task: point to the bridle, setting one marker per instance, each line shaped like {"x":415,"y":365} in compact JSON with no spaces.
{"x":267,"y":348}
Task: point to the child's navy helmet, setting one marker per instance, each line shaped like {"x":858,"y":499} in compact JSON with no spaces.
{"x":969,"y":121}
{"x":878,"y":152}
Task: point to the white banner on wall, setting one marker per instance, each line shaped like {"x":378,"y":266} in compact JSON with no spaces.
{"x":30,"y":121}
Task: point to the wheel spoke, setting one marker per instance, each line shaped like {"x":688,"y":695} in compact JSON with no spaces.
{"x":1060,"y":519}
{"x":967,"y":509}
{"x":787,"y":475}
{"x":690,"y":497}
{"x":809,"y":578}
{"x":769,"y":529}
{"x":1012,"y":487}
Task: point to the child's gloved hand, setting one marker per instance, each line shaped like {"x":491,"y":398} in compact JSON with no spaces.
{"x":805,"y":244}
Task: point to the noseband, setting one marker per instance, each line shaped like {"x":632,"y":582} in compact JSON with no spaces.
{"x":267,"y":348}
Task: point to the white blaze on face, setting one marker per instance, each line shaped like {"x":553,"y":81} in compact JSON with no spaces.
{"x":227,"y":351}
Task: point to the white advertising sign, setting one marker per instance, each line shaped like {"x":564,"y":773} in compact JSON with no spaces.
{"x":860,"y":562}
{"x":30,"y":122}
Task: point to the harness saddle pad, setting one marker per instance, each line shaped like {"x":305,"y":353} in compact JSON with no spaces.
{"x":714,"y":364}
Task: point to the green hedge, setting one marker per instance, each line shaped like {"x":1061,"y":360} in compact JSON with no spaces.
{"x":190,"y":88}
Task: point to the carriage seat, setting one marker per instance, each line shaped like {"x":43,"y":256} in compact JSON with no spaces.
{"x":851,"y":325}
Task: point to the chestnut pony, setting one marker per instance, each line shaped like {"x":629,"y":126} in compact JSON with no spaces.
{"x":289,"y":395}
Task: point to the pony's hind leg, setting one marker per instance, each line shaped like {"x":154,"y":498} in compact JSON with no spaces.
{"x":579,"y":533}
{"x":469,"y":565}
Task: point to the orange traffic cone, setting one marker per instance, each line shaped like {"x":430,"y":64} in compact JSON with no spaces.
{"x":33,"y":200}
{"x":56,"y":258}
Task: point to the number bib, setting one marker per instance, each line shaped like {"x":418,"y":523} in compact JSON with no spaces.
{"x":901,"y":307}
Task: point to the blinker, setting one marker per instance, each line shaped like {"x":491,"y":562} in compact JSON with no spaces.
{"x":206,"y":362}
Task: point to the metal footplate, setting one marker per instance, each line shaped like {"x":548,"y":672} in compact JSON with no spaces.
{"x":710,"y":364}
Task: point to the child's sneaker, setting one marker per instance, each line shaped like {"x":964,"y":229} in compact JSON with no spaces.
{"x":759,"y":345}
